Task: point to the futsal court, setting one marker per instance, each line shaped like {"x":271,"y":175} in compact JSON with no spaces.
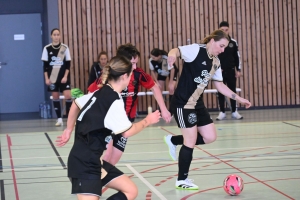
{"x":263,"y":149}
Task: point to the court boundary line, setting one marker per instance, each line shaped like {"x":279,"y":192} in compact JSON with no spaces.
{"x":12,"y":166}
{"x":2,"y":190}
{"x":154,"y":190}
{"x":56,"y":152}
{"x":249,"y":175}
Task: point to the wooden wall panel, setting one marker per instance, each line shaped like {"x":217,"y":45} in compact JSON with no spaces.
{"x":267,"y":32}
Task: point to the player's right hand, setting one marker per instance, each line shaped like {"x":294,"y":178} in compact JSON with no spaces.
{"x":154,"y":117}
{"x":63,"y":138}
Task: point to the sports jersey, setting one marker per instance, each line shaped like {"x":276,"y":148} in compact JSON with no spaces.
{"x":230,"y":58}
{"x":57,"y":56}
{"x":197,"y":71}
{"x":95,"y":72}
{"x":162,"y":68}
{"x":101,"y":113}
{"x":129,"y":95}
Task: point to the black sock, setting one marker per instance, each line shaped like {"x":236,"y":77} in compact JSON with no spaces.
{"x":68,"y":106}
{"x":57,"y":108}
{"x":177,"y":139}
{"x":199,"y":139}
{"x":184,"y":162}
{"x":118,"y":196}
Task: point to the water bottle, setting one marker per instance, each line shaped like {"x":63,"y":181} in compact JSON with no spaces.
{"x":48,"y":111}
{"x":45,"y":110}
{"x":41,"y":110}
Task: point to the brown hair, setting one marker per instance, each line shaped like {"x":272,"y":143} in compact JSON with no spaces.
{"x":217,"y":35}
{"x":102,"y":53}
{"x":116,"y":67}
{"x":128,"y":50}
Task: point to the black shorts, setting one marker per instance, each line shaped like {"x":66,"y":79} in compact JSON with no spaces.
{"x":187,"y":118}
{"x":119,"y":142}
{"x":94,"y":186}
{"x":59,"y":87}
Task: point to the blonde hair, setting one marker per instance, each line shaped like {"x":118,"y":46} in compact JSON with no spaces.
{"x":216,"y":35}
{"x":116,"y":67}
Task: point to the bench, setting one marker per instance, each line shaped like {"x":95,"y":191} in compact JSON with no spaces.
{"x":214,"y":91}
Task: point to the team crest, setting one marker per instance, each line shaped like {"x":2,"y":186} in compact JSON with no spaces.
{"x":192,"y":118}
{"x":62,"y":52}
{"x":134,"y":82}
{"x":230,"y":45}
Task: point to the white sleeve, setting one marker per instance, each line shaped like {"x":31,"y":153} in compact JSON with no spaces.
{"x":45,"y":54}
{"x":116,"y":118}
{"x":189,"y":52}
{"x":81,"y":101}
{"x":68,"y":56}
{"x":218,"y":75}
{"x":150,"y":65}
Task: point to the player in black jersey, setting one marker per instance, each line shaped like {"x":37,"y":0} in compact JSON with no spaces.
{"x":201,"y":65}
{"x":231,"y":70}
{"x":96,"y":69}
{"x":57,"y":59}
{"x":102,"y":116}
{"x":160,"y":70}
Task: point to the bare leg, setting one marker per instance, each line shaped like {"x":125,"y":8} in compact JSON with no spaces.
{"x":113,"y":156}
{"x":87,"y":197}
{"x":125,"y":185}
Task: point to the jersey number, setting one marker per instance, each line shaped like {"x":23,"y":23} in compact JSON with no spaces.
{"x":86,"y":109}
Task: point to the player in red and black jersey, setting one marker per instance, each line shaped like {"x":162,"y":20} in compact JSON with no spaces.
{"x":129,"y":95}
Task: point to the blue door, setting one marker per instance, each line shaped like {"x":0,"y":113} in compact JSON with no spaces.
{"x":21,"y":69}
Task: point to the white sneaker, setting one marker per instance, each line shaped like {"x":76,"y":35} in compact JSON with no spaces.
{"x":186,"y":184}
{"x":171,"y":146}
{"x":236,"y":115}
{"x":221,"y":116}
{"x":59,"y":122}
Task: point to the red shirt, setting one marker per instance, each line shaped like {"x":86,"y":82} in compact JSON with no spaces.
{"x":138,"y":78}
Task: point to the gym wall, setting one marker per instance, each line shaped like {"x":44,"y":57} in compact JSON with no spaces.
{"x":268,"y":34}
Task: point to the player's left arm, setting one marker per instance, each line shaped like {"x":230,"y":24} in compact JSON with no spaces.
{"x":172,"y":82}
{"x":222,"y":88}
{"x":166,"y":115}
{"x":65,"y":78}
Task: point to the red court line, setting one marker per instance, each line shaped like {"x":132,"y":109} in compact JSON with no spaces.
{"x":12,"y":166}
{"x":226,"y":162}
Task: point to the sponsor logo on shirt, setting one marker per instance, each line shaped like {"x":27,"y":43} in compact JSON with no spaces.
{"x":56,"y":61}
{"x":128,"y":94}
{"x":204,"y":63}
{"x":163,"y":72}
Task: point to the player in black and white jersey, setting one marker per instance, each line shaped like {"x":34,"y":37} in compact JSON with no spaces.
{"x":102,"y":116}
{"x":160,"y":70}
{"x":57,"y":59}
{"x":200,"y":66}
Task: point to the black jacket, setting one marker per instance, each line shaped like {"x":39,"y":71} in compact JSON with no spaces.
{"x":95,"y":72}
{"x":230,"y":58}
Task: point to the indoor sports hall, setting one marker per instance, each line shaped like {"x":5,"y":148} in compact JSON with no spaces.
{"x":49,"y":54}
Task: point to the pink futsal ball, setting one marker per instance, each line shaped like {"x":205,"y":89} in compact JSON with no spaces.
{"x":233,"y":184}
